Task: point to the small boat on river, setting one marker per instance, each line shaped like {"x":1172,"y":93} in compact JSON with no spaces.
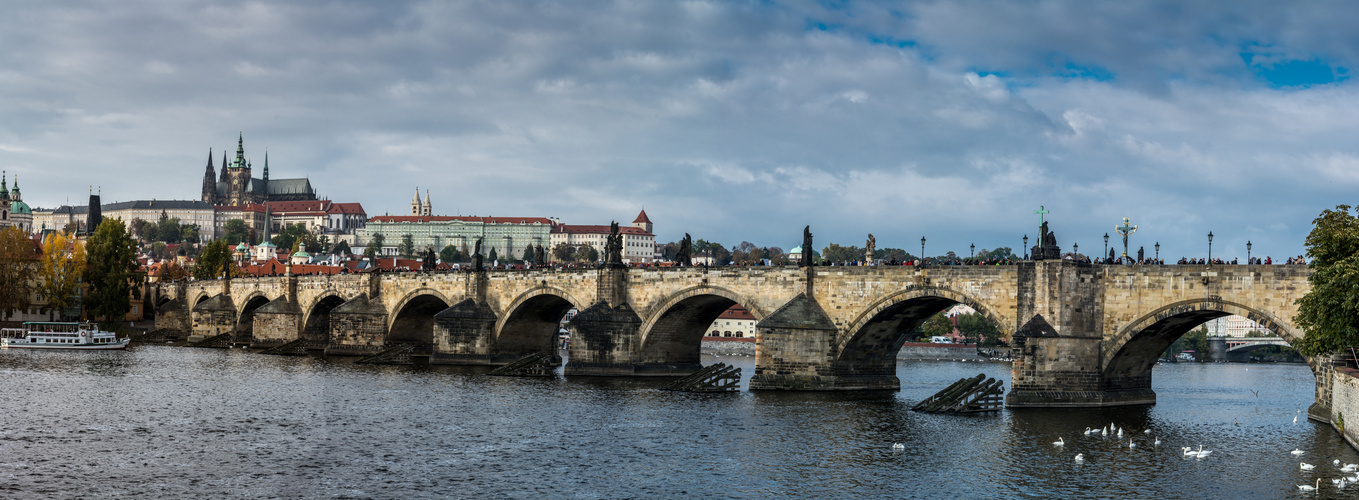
{"x":60,"y":335}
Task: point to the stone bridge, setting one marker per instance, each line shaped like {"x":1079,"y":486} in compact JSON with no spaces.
{"x":1083,"y":335}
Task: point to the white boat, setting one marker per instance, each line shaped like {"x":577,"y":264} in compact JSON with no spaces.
{"x":57,"y":335}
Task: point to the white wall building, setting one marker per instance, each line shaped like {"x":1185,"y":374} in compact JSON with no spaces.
{"x":639,"y":243}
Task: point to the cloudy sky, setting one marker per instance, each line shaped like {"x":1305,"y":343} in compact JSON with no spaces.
{"x":728,"y":120}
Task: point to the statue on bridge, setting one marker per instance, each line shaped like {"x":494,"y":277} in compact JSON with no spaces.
{"x":539,"y":255}
{"x":1141,"y":254}
{"x":613,"y":246}
{"x":685,"y":255}
{"x":428,"y":264}
{"x":870,"y":246}
{"x":476,"y":257}
{"x":1047,"y":245}
{"x":806,"y":260}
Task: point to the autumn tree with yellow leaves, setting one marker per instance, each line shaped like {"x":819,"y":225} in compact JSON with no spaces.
{"x":63,"y":262}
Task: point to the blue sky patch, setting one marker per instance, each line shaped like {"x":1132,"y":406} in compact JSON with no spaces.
{"x":1295,"y":73}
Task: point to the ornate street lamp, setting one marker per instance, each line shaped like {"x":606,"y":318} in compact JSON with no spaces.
{"x":1210,"y":248}
{"x":1025,"y":249}
{"x":1247,"y":252}
{"x":1075,"y":249}
{"x":1106,"y":245}
{"x":974,"y":250}
{"x":1158,"y":252}
{"x":922,"y":250}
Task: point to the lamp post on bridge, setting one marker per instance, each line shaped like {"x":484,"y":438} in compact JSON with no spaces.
{"x":1247,"y":252}
{"x":922,"y":250}
{"x":1106,"y":246}
{"x":1025,"y":249}
{"x":1075,"y":250}
{"x":1158,"y":252}
{"x":1210,"y":249}
{"x":974,"y":250}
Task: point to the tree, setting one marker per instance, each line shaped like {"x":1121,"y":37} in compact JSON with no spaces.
{"x":587,"y":253}
{"x":341,"y":248}
{"x":407,"y":247}
{"x":374,"y":246}
{"x":188,"y":233}
{"x":977,"y":329}
{"x":564,"y":252}
{"x":492,"y":257}
{"x":1329,"y":313}
{"x":936,"y":326}
{"x":172,"y":271}
{"x":135,"y":227}
{"x":450,"y":254}
{"x":168,"y":229}
{"x":291,"y":235}
{"x":528,"y":254}
{"x":1196,"y":340}
{"x":236,"y":232}
{"x":212,"y":260}
{"x":19,"y":259}
{"x":112,"y":273}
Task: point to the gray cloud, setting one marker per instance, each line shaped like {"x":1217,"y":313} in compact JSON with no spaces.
{"x":731,"y":121}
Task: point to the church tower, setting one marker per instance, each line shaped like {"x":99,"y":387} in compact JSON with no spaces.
{"x":415,"y":203}
{"x":238,"y":177}
{"x":642,"y":221}
{"x":427,"y":209}
{"x":210,"y":181}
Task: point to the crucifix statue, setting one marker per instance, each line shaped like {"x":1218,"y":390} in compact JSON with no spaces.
{"x":1125,"y":229}
{"x":1041,"y":212}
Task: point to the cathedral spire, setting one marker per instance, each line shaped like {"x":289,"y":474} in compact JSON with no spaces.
{"x":427,"y":209}
{"x":240,"y":151}
{"x":266,"y":165}
{"x":224,"y":166}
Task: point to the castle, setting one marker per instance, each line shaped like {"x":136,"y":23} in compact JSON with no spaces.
{"x":235,"y":186}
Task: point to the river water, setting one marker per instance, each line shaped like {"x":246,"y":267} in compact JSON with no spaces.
{"x":174,"y":422}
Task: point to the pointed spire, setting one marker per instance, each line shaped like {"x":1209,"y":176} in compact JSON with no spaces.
{"x":266,"y":164}
{"x":209,"y":157}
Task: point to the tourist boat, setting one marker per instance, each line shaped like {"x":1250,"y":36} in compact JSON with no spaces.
{"x":55,"y":335}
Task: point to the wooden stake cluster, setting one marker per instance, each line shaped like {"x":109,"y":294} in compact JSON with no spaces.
{"x":968,"y":395}
{"x":218,"y":341}
{"x":399,"y":354}
{"x":294,"y":348}
{"x":712,"y":378}
{"x":538,"y":364}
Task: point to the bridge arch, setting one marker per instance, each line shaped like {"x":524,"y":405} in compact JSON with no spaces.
{"x":412,"y":319}
{"x":1131,"y":353}
{"x":672,"y":332}
{"x":245,"y":316}
{"x":531,"y":320}
{"x":870,"y":344}
{"x":316,"y":317}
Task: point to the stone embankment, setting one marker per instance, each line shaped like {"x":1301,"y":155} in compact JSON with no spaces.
{"x":911,"y":351}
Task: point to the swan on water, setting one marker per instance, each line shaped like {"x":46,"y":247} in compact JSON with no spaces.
{"x":1189,"y":452}
{"x":1120,"y":433}
{"x":1058,"y":442}
{"x":1297,"y":452}
{"x":1157,"y":442}
{"x":1295,"y":419}
{"x":1087,"y":431}
{"x":1349,"y":468}
{"x":1104,"y":432}
{"x":1131,"y":444}
{"x":898,"y":447}
{"x":1304,"y":487}
{"x":1080,"y":457}
{"x":1148,"y":431}
{"x":1306,"y":466}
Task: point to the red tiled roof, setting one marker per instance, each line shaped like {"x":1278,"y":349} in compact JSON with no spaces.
{"x":346,"y":208}
{"x":641,"y":217}
{"x":464,"y":218}
{"x":737,"y":312}
{"x":298,"y":206}
{"x":567,"y":229}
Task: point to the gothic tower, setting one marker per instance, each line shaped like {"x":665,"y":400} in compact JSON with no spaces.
{"x":415,"y":203}
{"x":210,"y":181}
{"x":238,"y":177}
{"x":427,"y":209}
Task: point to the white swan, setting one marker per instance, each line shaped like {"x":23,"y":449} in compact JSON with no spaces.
{"x":1340,"y":485}
{"x":1295,"y":419}
{"x":1148,"y":431}
{"x":1120,"y":433}
{"x":1203,"y":453}
{"x":1087,"y":431}
{"x":1349,"y":468}
{"x":1297,"y":452}
{"x":1306,"y":466}
{"x":1189,"y":452}
{"x":1080,"y":457}
{"x":1304,"y":487}
{"x":1058,"y":442}
{"x":1131,"y":444}
{"x":1157,"y":442}
{"x":1104,"y":432}
{"x":898,"y":447}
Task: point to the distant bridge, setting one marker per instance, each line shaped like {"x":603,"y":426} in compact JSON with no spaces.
{"x":1239,"y":348}
{"x":1083,"y":334}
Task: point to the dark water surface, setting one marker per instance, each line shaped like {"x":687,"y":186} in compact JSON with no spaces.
{"x":168,"y":422}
